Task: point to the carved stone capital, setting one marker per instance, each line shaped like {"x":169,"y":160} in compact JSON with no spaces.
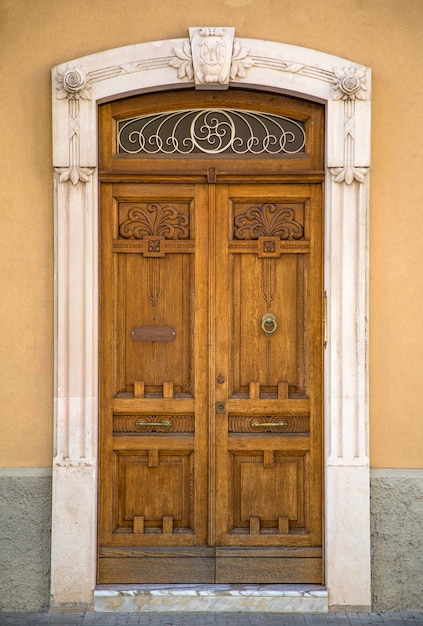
{"x":75,"y":174}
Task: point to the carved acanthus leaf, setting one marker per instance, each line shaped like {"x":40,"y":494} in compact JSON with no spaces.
{"x":268,"y":220}
{"x":240,"y":61}
{"x":183,"y":61}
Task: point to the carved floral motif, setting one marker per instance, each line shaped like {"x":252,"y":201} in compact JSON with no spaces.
{"x":157,"y":220}
{"x":73,"y":84}
{"x":183,"y":61}
{"x":349,"y":174}
{"x":268,"y":220}
{"x":240,"y":61}
{"x":350,"y":83}
{"x":75,"y":174}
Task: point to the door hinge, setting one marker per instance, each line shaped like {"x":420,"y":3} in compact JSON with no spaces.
{"x":325,"y":319}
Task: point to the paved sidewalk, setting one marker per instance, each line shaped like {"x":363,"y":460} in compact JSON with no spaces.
{"x":212,"y":619}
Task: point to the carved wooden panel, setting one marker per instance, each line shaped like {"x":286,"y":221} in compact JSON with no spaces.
{"x":267,"y":492}
{"x":266,"y":281}
{"x":155,"y":485}
{"x":269,"y":219}
{"x":143,"y":424}
{"x":141,"y":219}
{"x":253,"y":424}
{"x":155,"y":292}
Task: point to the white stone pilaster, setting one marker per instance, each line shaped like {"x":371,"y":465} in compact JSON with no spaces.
{"x":75,"y":453}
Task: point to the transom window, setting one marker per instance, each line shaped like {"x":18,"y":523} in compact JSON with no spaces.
{"x":211,"y":131}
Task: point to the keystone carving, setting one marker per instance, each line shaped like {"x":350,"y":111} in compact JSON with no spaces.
{"x":211,"y":58}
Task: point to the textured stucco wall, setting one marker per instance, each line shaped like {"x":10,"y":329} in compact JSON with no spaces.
{"x":25,"y":520}
{"x":397,"y":539}
{"x":382,"y":34}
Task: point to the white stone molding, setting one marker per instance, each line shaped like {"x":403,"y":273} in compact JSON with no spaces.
{"x":345,"y":89}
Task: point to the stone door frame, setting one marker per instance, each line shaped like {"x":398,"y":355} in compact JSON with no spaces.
{"x":344,"y":87}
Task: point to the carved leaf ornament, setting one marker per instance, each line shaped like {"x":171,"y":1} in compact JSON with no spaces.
{"x":268,"y":220}
{"x":155,"y":220}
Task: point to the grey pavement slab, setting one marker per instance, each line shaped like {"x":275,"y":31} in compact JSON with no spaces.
{"x":211,"y":619}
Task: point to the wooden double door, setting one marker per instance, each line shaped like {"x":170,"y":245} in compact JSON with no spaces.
{"x":211,"y":382}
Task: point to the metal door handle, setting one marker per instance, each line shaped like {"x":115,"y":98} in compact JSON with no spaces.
{"x":269,"y":324}
{"x":257,"y":423}
{"x":165,"y":423}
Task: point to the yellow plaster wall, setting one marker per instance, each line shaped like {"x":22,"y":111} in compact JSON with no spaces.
{"x":37,"y":34}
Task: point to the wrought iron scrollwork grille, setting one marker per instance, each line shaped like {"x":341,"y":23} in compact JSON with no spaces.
{"x":211,"y":131}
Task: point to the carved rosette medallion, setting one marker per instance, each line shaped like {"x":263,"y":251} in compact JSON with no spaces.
{"x":350,"y":83}
{"x":73,"y":84}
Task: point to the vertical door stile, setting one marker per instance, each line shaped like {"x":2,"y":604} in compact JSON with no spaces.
{"x":212,"y":362}
{"x":223,"y":378}
{"x":201,"y":359}
{"x":106,"y":362}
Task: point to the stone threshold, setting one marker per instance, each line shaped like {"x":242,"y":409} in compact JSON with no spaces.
{"x":214,"y":598}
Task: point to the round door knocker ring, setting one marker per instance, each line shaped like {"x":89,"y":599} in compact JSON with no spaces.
{"x":269,"y":324}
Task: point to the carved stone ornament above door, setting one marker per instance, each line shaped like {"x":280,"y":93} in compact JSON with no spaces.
{"x":212,"y":58}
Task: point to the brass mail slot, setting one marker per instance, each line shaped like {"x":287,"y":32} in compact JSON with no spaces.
{"x":153,"y":333}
